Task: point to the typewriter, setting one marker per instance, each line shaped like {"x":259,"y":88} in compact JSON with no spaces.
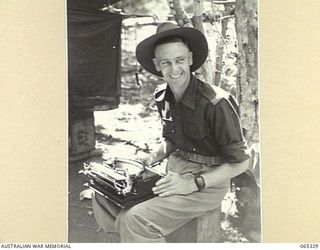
{"x":121,"y":181}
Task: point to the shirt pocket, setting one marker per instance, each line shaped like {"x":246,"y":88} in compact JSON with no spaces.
{"x":193,"y":130}
{"x":168,"y":127}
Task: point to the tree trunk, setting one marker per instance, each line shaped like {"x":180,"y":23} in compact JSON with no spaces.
{"x":221,"y":43}
{"x":179,"y":13}
{"x":247,"y":82}
{"x":247,"y":191}
{"x":219,"y":52}
{"x":197,"y":21}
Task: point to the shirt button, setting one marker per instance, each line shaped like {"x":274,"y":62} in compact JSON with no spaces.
{"x":194,"y":149}
{"x":172,"y":131}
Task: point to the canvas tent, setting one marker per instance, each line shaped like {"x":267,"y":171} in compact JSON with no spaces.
{"x":94,"y":59}
{"x":94,"y":55}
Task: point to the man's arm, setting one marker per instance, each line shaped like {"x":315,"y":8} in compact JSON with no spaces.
{"x":174,"y":183}
{"x":224,"y":173}
{"x":162,"y":152}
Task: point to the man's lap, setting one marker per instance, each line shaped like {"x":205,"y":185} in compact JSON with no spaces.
{"x":168,"y":213}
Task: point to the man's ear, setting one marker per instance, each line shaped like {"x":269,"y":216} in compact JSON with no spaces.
{"x":190,"y":58}
{"x":156,"y":65}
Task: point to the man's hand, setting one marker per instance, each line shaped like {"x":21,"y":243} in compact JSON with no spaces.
{"x":174,"y":183}
{"x":149,"y":159}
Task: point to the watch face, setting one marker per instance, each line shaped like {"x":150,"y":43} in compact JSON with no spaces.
{"x":200,"y":182}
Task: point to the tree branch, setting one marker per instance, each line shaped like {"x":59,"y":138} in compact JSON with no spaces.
{"x":197,"y":15}
{"x":179,"y":13}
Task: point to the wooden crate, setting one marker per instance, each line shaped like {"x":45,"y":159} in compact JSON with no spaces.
{"x":81,"y":135}
{"x":203,"y":229}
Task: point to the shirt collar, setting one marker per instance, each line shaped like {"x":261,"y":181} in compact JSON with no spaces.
{"x":189,"y":96}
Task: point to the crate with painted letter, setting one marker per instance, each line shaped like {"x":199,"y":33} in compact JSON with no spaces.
{"x":81,"y":133}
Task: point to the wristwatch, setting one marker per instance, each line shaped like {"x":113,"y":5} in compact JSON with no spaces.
{"x":199,"y":180}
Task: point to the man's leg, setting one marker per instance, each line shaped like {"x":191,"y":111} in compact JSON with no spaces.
{"x":105,"y":212}
{"x":149,"y":221}
{"x":153,"y":219}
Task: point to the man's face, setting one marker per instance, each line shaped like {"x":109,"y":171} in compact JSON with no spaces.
{"x":174,"y":61}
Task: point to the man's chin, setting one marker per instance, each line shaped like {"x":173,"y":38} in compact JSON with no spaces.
{"x":180,"y":80}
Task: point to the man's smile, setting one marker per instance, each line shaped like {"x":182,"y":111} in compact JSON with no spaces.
{"x":175,"y":77}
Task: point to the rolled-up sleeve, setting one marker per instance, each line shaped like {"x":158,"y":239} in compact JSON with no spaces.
{"x":225,"y":125}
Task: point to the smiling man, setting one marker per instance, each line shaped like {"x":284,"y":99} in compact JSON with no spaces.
{"x":203,"y":141}
{"x":173,"y":59}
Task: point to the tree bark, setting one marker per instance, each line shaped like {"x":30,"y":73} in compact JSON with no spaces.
{"x":179,"y":13}
{"x":197,"y":21}
{"x":247,"y":82}
{"x":219,"y":52}
{"x":247,"y":191}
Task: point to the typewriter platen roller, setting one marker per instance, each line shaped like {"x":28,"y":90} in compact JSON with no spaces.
{"x":121,"y":181}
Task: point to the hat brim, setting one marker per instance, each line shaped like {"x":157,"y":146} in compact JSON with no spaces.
{"x":196,"y":41}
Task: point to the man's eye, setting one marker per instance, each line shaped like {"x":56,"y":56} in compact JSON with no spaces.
{"x":164,"y":64}
{"x":181,"y":60}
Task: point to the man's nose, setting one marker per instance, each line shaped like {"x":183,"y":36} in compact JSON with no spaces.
{"x":174,"y":68}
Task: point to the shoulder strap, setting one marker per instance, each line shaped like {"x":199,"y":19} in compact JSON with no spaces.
{"x":219,"y":95}
{"x":215,"y":94}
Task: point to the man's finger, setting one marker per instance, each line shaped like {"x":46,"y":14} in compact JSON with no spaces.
{"x":161,"y":187}
{"x":163,"y":181}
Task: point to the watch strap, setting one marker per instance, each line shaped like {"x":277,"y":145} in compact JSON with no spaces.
{"x":199,"y":180}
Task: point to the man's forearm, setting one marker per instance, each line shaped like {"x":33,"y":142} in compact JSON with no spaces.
{"x":164,"y":150}
{"x":224,"y":172}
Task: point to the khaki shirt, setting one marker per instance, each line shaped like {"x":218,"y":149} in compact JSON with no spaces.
{"x":204,"y":122}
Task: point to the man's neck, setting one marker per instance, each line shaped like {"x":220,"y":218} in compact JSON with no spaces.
{"x":178,"y":94}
